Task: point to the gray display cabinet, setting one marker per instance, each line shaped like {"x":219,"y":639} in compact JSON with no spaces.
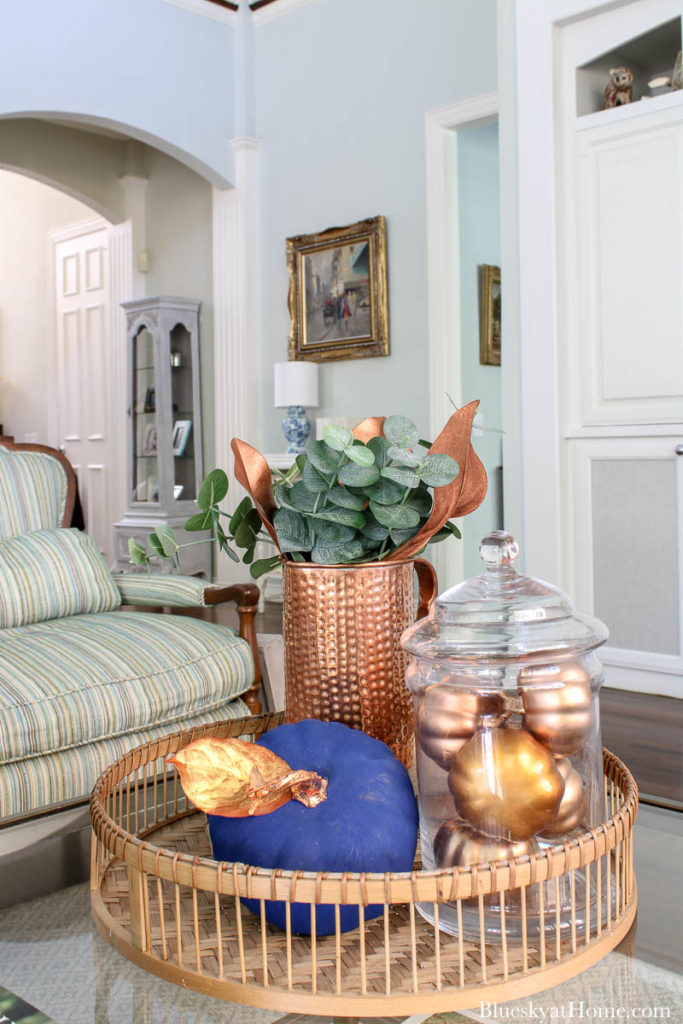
{"x":165,"y":466}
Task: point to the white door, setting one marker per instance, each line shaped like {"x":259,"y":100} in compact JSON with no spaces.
{"x":85,"y":372}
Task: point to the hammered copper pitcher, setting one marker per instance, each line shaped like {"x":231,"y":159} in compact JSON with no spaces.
{"x":343,"y":657}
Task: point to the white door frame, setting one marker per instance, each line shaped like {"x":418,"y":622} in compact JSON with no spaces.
{"x":443,"y":280}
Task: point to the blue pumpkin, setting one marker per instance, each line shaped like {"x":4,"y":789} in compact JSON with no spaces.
{"x":367,"y":823}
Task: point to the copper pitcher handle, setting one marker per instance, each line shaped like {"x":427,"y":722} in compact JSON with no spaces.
{"x":427,"y":586}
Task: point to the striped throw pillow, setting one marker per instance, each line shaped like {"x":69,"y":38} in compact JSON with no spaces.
{"x":49,"y":574}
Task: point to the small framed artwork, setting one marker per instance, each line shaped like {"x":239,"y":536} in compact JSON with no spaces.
{"x":150,"y":400}
{"x":181,"y":432}
{"x":150,"y":440}
{"x":338,"y":304}
{"x":489,"y":327}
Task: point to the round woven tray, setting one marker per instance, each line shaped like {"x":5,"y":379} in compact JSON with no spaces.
{"x":161,"y":900}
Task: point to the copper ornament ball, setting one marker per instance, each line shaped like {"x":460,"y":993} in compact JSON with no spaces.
{"x":447,"y":717}
{"x":573,"y":805}
{"x":559,"y":706}
{"x":506,"y":784}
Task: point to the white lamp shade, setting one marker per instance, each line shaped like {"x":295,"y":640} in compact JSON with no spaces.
{"x":296,"y":384}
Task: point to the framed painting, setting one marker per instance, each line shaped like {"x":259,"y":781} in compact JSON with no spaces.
{"x":489,"y":337}
{"x":338,"y":293}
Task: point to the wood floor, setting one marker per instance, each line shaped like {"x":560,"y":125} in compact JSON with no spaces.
{"x":645,"y":731}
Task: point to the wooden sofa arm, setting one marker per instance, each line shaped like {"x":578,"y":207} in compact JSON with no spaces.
{"x":246,"y":595}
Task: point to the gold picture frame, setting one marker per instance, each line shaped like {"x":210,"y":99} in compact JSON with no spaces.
{"x":490,"y":322}
{"x":337,"y":298}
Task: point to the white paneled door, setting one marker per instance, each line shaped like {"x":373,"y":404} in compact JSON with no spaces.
{"x":84,"y":372}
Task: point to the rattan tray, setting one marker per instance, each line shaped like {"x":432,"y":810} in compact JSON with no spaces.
{"x":161,"y":900}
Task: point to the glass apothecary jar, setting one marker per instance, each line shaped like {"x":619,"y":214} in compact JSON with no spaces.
{"x":505,"y":684}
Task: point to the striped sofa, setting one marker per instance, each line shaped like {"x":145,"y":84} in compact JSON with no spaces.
{"x":81,"y":680}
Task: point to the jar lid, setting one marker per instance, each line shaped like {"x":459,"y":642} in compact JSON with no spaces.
{"x":502,"y":614}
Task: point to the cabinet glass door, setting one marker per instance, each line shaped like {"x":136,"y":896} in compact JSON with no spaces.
{"x":145,"y":437}
{"x":183,"y":439}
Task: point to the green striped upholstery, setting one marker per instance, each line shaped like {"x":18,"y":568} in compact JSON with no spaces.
{"x":32,"y":492}
{"x":173,"y":591}
{"x":48,"y":574}
{"x":79,"y":680}
{"x":39,"y":782}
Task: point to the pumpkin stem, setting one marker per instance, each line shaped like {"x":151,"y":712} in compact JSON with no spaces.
{"x":308,"y":788}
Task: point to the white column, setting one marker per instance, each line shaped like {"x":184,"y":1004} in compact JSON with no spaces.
{"x":134,"y":200}
{"x":236,"y":320}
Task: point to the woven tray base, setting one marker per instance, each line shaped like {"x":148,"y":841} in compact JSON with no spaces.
{"x":289,"y":984}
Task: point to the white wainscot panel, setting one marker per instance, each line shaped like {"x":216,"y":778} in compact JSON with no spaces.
{"x":633,"y":355}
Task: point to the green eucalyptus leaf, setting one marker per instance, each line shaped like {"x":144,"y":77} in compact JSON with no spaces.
{"x":333,"y":554}
{"x":263,"y":565}
{"x":345,"y":498}
{"x":321,"y":456}
{"x":293,"y":531}
{"x":379,"y":446}
{"x":420,"y":500}
{"x":155,"y":545}
{"x":398,"y":517}
{"x":386,"y":492}
{"x":337,"y":437}
{"x":213,"y":489}
{"x":138,"y":554}
{"x":402,"y":475}
{"x":300,"y":462}
{"x":248,"y":556}
{"x":315,"y":481}
{"x":401,"y":536}
{"x":438,"y":470}
{"x":359,"y":454}
{"x":200,"y":521}
{"x":400,"y":431}
{"x":239,"y":514}
{"x":245,"y":535}
{"x":167,"y":540}
{"x":301,"y":498}
{"x":404,"y":456}
{"x":374,"y":531}
{"x":353,"y":475}
{"x":346,"y":516}
{"x":327,"y":532}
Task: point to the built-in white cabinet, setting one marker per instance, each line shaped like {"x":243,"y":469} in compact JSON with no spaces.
{"x":165,"y":464}
{"x":619,"y":190}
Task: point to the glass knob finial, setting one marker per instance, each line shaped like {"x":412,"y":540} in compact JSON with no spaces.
{"x":498,"y":548}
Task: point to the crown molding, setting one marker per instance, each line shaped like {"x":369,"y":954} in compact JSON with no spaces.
{"x":208,"y":9}
{"x":273,"y":9}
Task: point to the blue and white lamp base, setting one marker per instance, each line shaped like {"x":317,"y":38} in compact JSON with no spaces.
{"x":296,"y":427}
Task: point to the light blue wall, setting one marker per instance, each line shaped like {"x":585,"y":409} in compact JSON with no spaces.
{"x":342,"y":88}
{"x":479,"y":241}
{"x":158,"y":69}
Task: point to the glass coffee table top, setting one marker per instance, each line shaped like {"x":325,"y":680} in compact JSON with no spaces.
{"x":52,"y":957}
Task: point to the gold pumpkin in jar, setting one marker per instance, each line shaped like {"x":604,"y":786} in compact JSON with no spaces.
{"x":506,"y":784}
{"x":573,"y":804}
{"x":559,"y":705}
{"x":448,"y":717}
{"x":457,"y":844}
